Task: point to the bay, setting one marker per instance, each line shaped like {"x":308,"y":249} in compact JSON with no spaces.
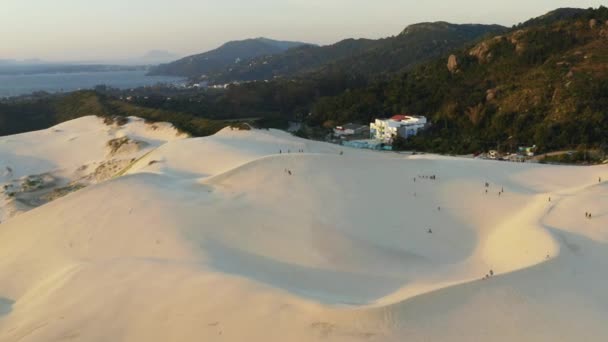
{"x":16,"y":85}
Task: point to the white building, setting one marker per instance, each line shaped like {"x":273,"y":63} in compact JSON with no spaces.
{"x":399,"y":125}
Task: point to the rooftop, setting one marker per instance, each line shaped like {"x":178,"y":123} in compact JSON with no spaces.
{"x":400,"y":117}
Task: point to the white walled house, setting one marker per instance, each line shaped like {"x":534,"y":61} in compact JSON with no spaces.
{"x":399,"y":125}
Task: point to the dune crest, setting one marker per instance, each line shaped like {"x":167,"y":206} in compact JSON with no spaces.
{"x":259,"y":235}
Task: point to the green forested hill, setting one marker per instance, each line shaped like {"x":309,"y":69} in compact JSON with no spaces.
{"x":416,"y":44}
{"x":31,"y":115}
{"x":543,"y":84}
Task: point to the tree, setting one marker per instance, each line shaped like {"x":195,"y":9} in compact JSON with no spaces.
{"x":399,"y":143}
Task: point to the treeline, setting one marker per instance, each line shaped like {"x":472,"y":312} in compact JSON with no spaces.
{"x":36,"y":114}
{"x":279,"y":99}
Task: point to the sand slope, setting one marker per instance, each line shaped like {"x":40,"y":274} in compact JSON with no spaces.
{"x":225,"y":238}
{"x":38,"y":167}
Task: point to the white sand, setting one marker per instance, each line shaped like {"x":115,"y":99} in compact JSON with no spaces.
{"x":212,"y":240}
{"x":72,"y":153}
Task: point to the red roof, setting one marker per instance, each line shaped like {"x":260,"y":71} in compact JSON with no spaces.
{"x":400,"y":117}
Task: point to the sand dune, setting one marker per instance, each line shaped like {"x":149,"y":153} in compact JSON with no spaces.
{"x":40,"y":166}
{"x":232,"y":238}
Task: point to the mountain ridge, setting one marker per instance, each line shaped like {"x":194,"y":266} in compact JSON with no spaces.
{"x":227,"y":54}
{"x":363,"y":56}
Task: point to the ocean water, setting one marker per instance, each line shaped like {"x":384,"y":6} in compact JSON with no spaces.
{"x":15,"y":85}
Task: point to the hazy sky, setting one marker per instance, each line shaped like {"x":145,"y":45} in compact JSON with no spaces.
{"x":114,"y":29}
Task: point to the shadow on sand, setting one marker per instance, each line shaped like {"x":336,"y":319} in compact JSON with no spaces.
{"x":6,"y":306}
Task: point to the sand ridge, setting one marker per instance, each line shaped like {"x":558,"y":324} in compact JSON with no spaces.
{"x":240,"y":236}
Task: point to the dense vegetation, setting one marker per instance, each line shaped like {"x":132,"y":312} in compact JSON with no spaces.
{"x":30,"y":115}
{"x":285,"y":99}
{"x":200,"y":113}
{"x":541,"y":84}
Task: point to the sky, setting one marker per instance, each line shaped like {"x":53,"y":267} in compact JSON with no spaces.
{"x":105,"y":30}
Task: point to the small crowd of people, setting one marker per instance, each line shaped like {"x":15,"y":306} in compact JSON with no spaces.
{"x":301,"y":150}
{"x":487,"y":186}
{"x":488,"y":275}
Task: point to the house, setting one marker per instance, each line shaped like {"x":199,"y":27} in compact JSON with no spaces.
{"x":493,"y":154}
{"x":527,"y":151}
{"x":350,"y":129}
{"x":202,"y":84}
{"x":399,"y":125}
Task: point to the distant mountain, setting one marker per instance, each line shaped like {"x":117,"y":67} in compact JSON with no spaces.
{"x":223,"y":57}
{"x":416,"y":44}
{"x":293,"y":61}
